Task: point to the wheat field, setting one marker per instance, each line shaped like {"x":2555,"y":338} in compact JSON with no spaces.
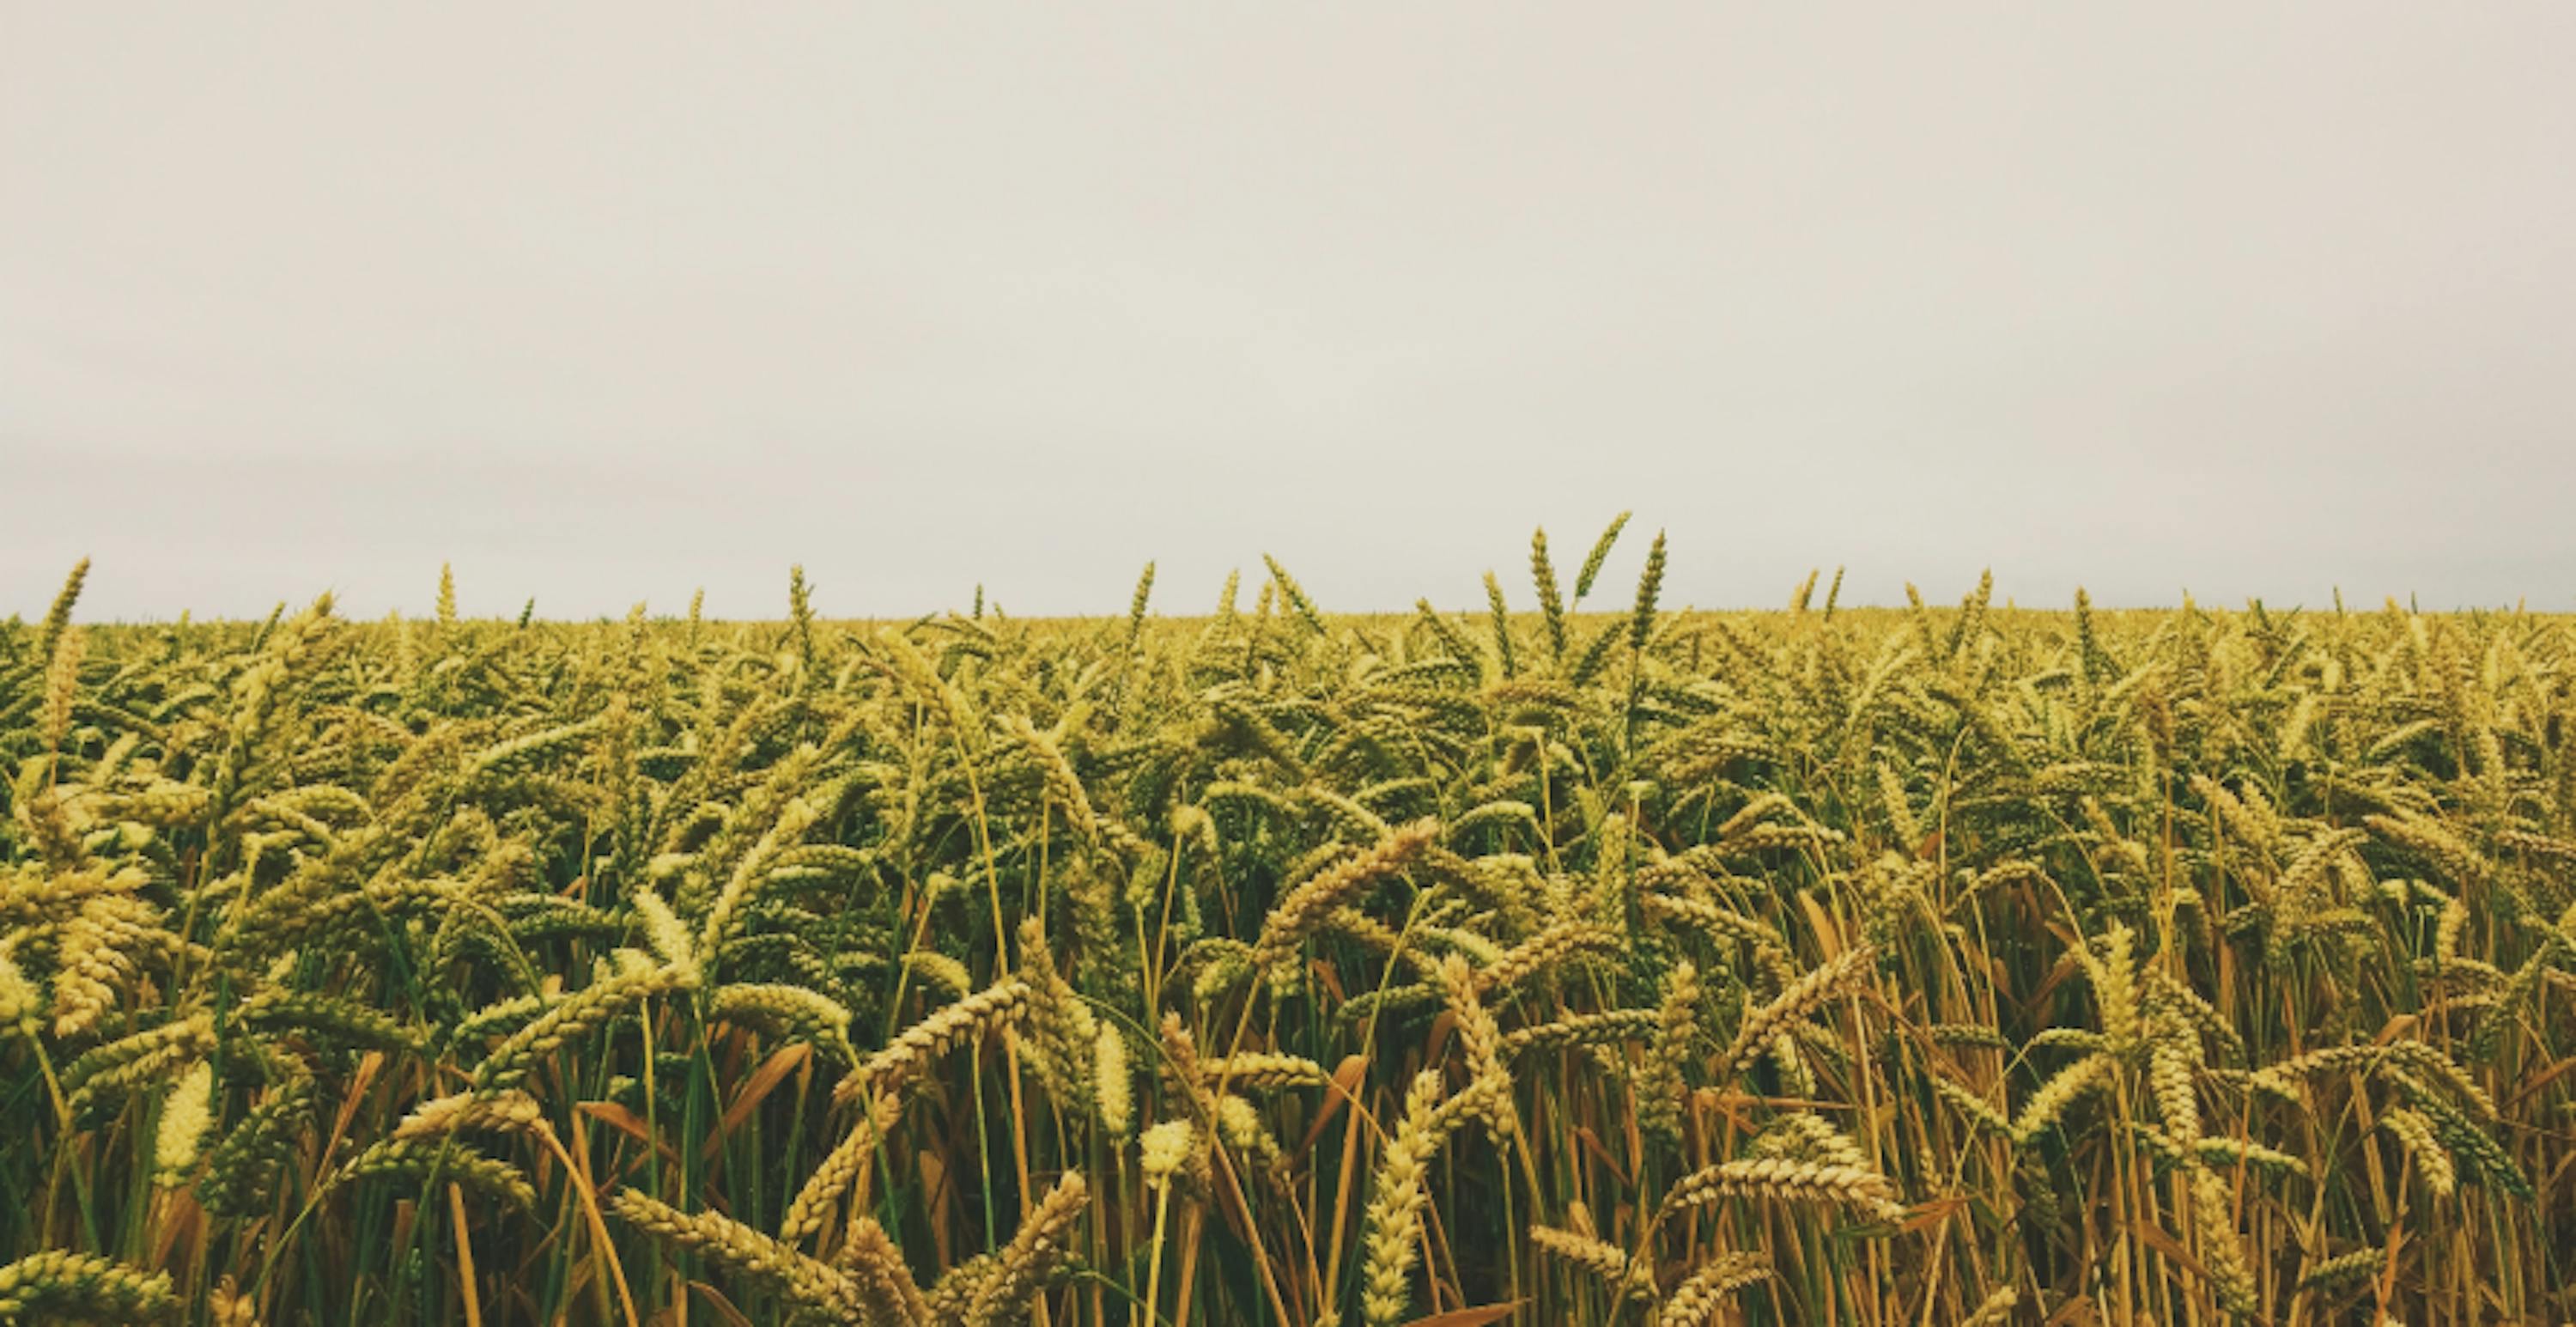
{"x":1537,"y":963}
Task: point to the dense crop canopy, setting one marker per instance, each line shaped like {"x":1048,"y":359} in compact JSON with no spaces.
{"x":1647,"y":966}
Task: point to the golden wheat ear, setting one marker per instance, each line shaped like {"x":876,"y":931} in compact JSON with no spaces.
{"x":887,"y":1293}
{"x":77,"y":1287}
{"x":1039,"y":1253}
{"x":1856,"y":1189}
{"x":1604,"y":1262}
{"x":1706,"y":1293}
{"x":809,"y":1286}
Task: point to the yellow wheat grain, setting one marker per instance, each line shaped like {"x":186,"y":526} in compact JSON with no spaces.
{"x":1764,"y":1023}
{"x":2050,"y":1103}
{"x":1302,"y":908}
{"x":1705,"y":1293}
{"x":999,"y":1005}
{"x":812,"y":1286}
{"x":1396,"y":1202}
{"x":60,"y":1286}
{"x":1265,"y":1070}
{"x":1606,"y":1263}
{"x":1111,"y":1078}
{"x":886,"y":1293}
{"x":841,"y":1171}
{"x":1165,"y":1150}
{"x":1035,"y":1255}
{"x":1777,"y":1180}
{"x":1661,"y":1087}
{"x":1545,"y":952}
{"x":2424,"y":1145}
{"x":508,"y":1111}
{"x":186,"y":1114}
{"x":2221,"y":1250}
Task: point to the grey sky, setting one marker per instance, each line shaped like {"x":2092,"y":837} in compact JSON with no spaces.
{"x":608,"y":301}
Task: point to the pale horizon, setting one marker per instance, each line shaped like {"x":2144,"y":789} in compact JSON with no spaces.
{"x":609,"y":303}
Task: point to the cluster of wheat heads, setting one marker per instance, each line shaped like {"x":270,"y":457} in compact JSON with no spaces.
{"x":1654,"y":967}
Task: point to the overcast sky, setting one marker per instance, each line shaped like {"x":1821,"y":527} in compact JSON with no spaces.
{"x":609,"y":301}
